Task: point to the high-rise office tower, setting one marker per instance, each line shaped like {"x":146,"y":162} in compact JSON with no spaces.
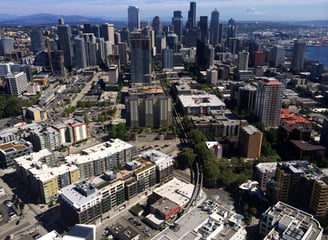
{"x":61,"y":21}
{"x":204,"y":55}
{"x":124,"y":35}
{"x":117,"y":37}
{"x":214,"y":28}
{"x":203,"y":26}
{"x":101,"y":54}
{"x":95,"y":29}
{"x":191,"y":22}
{"x":107,"y":32}
{"x":298,"y":55}
{"x":276,"y":56}
{"x":90,"y":48}
{"x":108,"y":47}
{"x":36,"y":40}
{"x":269,"y":101}
{"x":157,"y":26}
{"x":243,"y":60}
{"x":140,"y":57}
{"x":232,"y":29}
{"x":16,"y":83}
{"x":172,"y":41}
{"x":220,"y":32}
{"x":65,"y":44}
{"x":87,"y":28}
{"x":80,"y":53}
{"x":167,"y":58}
{"x":133,"y":18}
{"x":177,"y":23}
{"x":160,"y":43}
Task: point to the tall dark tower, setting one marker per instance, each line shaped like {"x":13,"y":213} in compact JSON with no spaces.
{"x":177,"y":22}
{"x":65,"y":44}
{"x":36,"y":40}
{"x":133,"y":18}
{"x":157,"y":26}
{"x":232,"y":29}
{"x":214,"y":28}
{"x":298,"y":55}
{"x":191,"y":23}
{"x":203,"y":26}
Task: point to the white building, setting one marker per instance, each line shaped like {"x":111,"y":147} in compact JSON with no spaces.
{"x":16,"y":83}
{"x":200,"y":104}
{"x":283,"y":221}
{"x":264,"y":172}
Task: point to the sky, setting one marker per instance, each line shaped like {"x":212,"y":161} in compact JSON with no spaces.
{"x":238,"y":9}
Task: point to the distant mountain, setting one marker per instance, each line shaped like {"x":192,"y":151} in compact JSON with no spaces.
{"x":46,"y":19}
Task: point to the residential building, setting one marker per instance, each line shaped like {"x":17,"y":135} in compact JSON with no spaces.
{"x":148,"y":110}
{"x":283,"y":221}
{"x":302,"y":184}
{"x":6,"y":46}
{"x":269,"y":101}
{"x":11,"y":150}
{"x":167,"y":58}
{"x":324,"y":133}
{"x":34,"y":113}
{"x":16,"y":83}
{"x":80,"y":52}
{"x":250,"y":141}
{"x":81,"y":203}
{"x":95,"y":160}
{"x":264,"y":173}
{"x":90,"y":49}
{"x":39,"y":174}
{"x":163,"y":163}
{"x":47,"y":137}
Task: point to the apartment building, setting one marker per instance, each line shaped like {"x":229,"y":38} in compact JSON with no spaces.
{"x":250,"y":141}
{"x":283,"y":221}
{"x":11,"y":150}
{"x":39,"y":174}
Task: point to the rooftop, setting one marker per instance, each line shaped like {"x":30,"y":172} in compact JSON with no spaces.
{"x":99,"y":151}
{"x":292,"y":223}
{"x":177,"y":191}
{"x":204,"y":100}
{"x":13,"y":146}
{"x":160,"y":159}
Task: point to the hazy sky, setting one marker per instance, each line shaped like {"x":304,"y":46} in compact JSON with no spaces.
{"x":238,"y":9}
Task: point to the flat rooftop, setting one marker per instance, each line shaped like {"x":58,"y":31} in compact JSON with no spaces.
{"x":177,"y":191}
{"x":13,"y":146}
{"x":99,"y":151}
{"x":205,"y":100}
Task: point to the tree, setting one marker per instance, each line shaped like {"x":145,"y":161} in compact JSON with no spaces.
{"x":185,"y":158}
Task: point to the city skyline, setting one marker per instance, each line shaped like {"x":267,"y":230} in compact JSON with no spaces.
{"x":240,"y":10}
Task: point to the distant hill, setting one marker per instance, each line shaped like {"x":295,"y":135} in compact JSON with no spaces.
{"x":46,"y":19}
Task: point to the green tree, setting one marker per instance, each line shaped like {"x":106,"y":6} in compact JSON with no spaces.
{"x":185,"y":158}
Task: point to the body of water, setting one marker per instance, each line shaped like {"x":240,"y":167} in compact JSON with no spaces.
{"x":318,"y":53}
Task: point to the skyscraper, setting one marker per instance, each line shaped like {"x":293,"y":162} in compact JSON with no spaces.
{"x":36,"y":40}
{"x":140,"y":57}
{"x":268,"y":102}
{"x":167,"y":58}
{"x":276,"y":55}
{"x":232,"y":29}
{"x":298,"y":55}
{"x":243,"y":60}
{"x":133,"y":18}
{"x":203,"y":25}
{"x":191,"y":22}
{"x":80,"y":54}
{"x":157,"y":26}
{"x":90,"y":49}
{"x":177,"y":22}
{"x":214,"y":28}
{"x":107,"y":32}
{"x":65,"y":44}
